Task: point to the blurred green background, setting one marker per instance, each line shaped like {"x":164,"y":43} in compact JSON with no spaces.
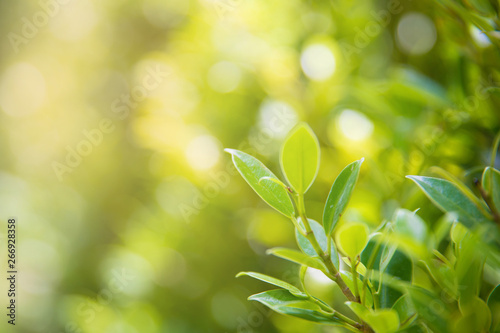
{"x":114,"y":115}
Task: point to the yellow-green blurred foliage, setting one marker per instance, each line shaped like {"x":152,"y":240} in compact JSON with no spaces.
{"x":113,"y":117}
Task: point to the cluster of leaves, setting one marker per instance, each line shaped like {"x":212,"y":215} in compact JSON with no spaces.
{"x":375,"y":269}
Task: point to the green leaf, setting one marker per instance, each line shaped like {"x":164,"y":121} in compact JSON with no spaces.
{"x":360,"y":267}
{"x":494,"y":305}
{"x":405,"y":310}
{"x":491,"y":184}
{"x":381,"y":321}
{"x":349,"y":281}
{"x":297,"y":257}
{"x":300,"y":157}
{"x":282,"y":284}
{"x":285,"y":303}
{"x":339,"y":196}
{"x":400,"y":266}
{"x":469,"y":270}
{"x":426,"y":304}
{"x":476,"y":316}
{"x":319,"y":233}
{"x":458,"y":232}
{"x":448,"y":197}
{"x":351,"y":238}
{"x":410,"y":225}
{"x":252,"y":170}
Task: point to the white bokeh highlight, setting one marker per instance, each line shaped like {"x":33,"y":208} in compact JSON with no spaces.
{"x":416,"y":33}
{"x":318,"y":62}
{"x":22,"y":90}
{"x":354,"y":125}
{"x":224,"y":77}
{"x":203,"y":152}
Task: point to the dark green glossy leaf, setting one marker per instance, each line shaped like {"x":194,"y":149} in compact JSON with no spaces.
{"x":339,"y":196}
{"x":399,"y":266}
{"x":252,"y":170}
{"x":285,"y":303}
{"x":448,"y":197}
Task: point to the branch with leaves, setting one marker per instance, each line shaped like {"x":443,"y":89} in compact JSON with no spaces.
{"x":374,"y":270}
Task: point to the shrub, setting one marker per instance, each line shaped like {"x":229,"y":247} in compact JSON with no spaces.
{"x":373,"y":267}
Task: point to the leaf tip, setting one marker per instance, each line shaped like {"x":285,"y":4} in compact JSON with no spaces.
{"x":240,"y":274}
{"x":229,"y":150}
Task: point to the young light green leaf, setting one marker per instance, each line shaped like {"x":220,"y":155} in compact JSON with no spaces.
{"x":448,"y":197}
{"x":351,"y":238}
{"x":458,"y":232}
{"x":349,"y":281}
{"x":279,"y":283}
{"x":297,"y":257}
{"x":319,"y":233}
{"x":476,"y":316}
{"x":339,"y":196}
{"x":491,"y":184}
{"x":285,"y":303}
{"x":360,"y":267}
{"x":409,"y":224}
{"x":381,"y":321}
{"x":252,"y":170}
{"x":300,"y":157}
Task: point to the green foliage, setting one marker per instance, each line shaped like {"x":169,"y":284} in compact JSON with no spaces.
{"x":449,"y":198}
{"x":300,"y":158}
{"x":400,"y":276}
{"x":269,"y":279}
{"x":339,"y":195}
{"x":351,"y":238}
{"x":252,"y":170}
{"x":284,"y":302}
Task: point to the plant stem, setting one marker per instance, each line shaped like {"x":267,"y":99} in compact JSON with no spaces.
{"x":354,"y":271}
{"x":489,"y":202}
{"x":348,"y":320}
{"x":325,"y":257}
